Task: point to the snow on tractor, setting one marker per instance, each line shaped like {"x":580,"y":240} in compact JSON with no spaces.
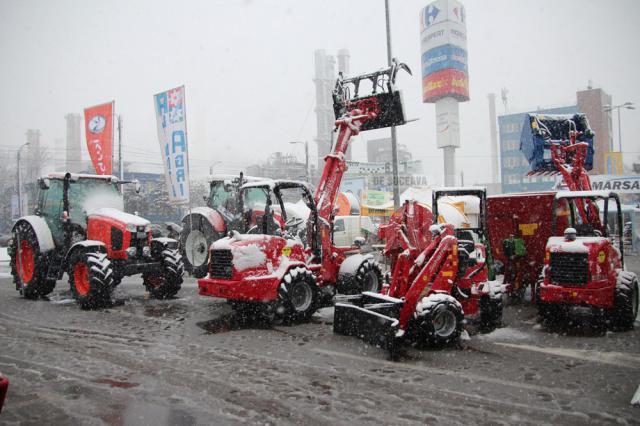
{"x":584,"y":268}
{"x":79,"y":228}
{"x":438,"y":277}
{"x":204,"y":225}
{"x":289,"y":265}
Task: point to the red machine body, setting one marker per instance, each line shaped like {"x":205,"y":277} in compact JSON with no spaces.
{"x":4,"y":386}
{"x":283,"y":268}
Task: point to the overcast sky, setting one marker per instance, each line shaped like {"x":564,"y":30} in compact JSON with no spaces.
{"x":248,"y":67}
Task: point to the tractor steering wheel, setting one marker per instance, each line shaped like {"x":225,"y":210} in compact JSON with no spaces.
{"x":293,"y":222}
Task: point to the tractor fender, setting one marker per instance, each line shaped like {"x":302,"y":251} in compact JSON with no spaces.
{"x":281,"y":272}
{"x":213,"y":217}
{"x":43,"y":233}
{"x":351,"y":264}
{"x":162,"y":243}
{"x":99,"y":245}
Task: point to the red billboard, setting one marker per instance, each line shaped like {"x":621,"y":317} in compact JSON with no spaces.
{"x":447,"y":82}
{"x":98,"y":127}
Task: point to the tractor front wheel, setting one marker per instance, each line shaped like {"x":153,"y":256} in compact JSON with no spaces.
{"x":90,"y":278}
{"x":440,"y":319}
{"x":368,"y":277}
{"x":625,"y":310}
{"x":195,"y":240}
{"x":168,"y":281}
{"x":298,"y":295}
{"x":29,"y":264}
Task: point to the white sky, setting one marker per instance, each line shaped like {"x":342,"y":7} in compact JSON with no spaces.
{"x":248,"y":67}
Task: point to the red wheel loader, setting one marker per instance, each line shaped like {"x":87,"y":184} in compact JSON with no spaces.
{"x":437,"y":279}
{"x":285,"y":265}
{"x":583,"y":270}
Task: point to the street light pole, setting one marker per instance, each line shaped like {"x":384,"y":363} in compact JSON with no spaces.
{"x":19,"y":182}
{"x":306,"y":158}
{"x":394,"y":142}
{"x":609,"y":108}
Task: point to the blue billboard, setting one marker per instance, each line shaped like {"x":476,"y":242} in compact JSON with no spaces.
{"x":447,"y":56}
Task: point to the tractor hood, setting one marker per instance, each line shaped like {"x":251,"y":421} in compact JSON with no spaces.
{"x":579,"y":245}
{"x":257,"y":255}
{"x":120,"y":216}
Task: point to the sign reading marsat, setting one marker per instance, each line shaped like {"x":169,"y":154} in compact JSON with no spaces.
{"x":619,"y":184}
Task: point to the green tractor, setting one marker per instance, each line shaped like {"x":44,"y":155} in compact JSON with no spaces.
{"x":79,"y":227}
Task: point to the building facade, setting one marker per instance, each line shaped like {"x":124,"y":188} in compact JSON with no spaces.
{"x":514,"y":166}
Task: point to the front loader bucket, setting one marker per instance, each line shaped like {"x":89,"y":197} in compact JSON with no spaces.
{"x":370,"y":318}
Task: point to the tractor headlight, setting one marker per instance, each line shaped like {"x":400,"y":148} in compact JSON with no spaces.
{"x":146,"y":251}
{"x":130,"y":227}
{"x":131,"y":251}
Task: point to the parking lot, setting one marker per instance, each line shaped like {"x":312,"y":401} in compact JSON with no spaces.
{"x":188,"y":361}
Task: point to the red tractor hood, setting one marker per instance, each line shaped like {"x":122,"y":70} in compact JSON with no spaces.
{"x":579,"y":245}
{"x":119,"y":216}
{"x":259,"y":254}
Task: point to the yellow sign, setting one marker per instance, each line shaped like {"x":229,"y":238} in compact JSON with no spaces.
{"x":613,"y":163}
{"x":601,"y":256}
{"x":528,"y":229}
{"x":286,"y":251}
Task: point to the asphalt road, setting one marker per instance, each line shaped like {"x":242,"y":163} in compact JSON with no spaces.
{"x":186,"y":361}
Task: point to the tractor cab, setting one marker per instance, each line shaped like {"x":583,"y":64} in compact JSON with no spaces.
{"x":280,"y":208}
{"x":472,"y":234}
{"x":66,"y":202}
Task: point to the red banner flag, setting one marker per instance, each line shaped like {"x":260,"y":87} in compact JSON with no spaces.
{"x":98,"y":126}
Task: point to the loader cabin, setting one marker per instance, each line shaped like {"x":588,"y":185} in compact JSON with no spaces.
{"x":593,"y":223}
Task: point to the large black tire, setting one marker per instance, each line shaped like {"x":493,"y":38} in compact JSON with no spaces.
{"x":167,"y":281}
{"x":29,"y":264}
{"x":297,"y":296}
{"x":439,"y":320}
{"x":368,"y":277}
{"x":195,"y":240}
{"x":491,"y":307}
{"x":90,"y":278}
{"x":625,"y":309}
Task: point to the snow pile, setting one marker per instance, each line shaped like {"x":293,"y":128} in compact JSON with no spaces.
{"x":506,"y":333}
{"x":495,"y":288}
{"x":564,"y":246}
{"x":249,"y":256}
{"x":636,"y":398}
{"x":425,"y":306}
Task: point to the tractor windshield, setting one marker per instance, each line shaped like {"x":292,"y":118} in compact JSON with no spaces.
{"x":221,"y":196}
{"x":86,"y":195}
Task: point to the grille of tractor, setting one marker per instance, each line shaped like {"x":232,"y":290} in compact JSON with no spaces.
{"x":569,"y":268}
{"x":139,"y":239}
{"x":220,"y":265}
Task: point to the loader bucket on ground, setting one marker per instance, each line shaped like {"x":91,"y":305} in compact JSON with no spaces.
{"x":539,"y":131}
{"x":370,"y":318}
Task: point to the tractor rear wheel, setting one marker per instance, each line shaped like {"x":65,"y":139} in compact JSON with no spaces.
{"x":167,"y":282}
{"x":625,"y":309}
{"x":29,"y":264}
{"x":298,"y":295}
{"x":440,"y":320}
{"x":196,"y":238}
{"x":368,"y":277}
{"x":90,"y":278}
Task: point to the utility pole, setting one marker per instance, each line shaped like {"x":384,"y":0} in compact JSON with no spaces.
{"x":19,"y":182}
{"x":394,"y":142}
{"x":306,"y":157}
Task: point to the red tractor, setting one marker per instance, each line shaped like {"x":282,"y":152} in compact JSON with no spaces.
{"x":584,"y":268}
{"x":438,"y":277}
{"x":285,"y":265}
{"x":79,"y":228}
{"x":204,"y":225}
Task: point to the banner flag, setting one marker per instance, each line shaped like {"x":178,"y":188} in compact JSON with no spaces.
{"x":172,"y":136}
{"x":98,"y":128}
